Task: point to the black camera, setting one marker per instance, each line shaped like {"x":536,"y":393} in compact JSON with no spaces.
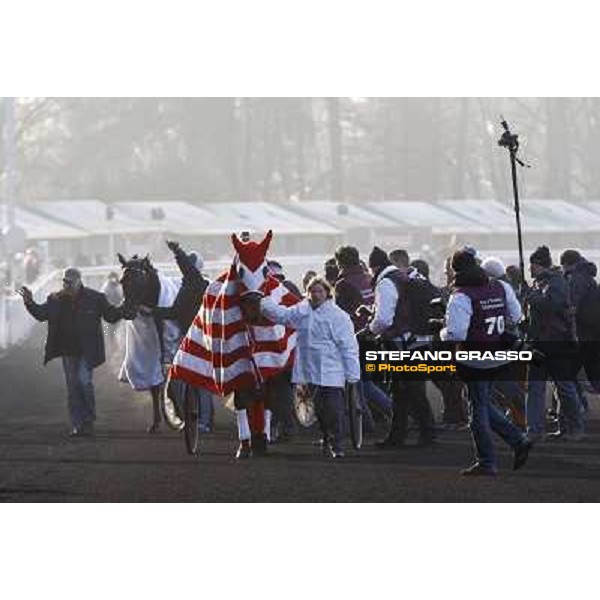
{"x":508,"y":140}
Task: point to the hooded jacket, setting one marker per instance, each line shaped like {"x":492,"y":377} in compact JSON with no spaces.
{"x":548,"y":301}
{"x":581,"y":278}
{"x":189,"y":298}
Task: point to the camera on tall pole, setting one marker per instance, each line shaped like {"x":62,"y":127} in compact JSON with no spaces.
{"x":510,"y":141}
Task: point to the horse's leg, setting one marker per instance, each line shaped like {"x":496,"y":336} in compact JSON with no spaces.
{"x":240,"y":403}
{"x":156,"y":418}
{"x":256,"y":416}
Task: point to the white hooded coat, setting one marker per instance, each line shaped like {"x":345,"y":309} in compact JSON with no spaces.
{"x":326,"y":348}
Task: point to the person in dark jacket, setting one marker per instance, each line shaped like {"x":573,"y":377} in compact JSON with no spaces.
{"x":184,"y":310}
{"x":75,"y":334}
{"x":580,"y":274}
{"x":551,"y":329}
{"x":353,"y":286}
{"x":581,"y":278}
{"x":193,"y":285}
{"x":353,"y":290}
{"x":476,"y":313}
{"x":331,"y":271}
{"x":391,"y":322}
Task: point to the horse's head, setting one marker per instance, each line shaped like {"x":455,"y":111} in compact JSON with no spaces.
{"x":251,"y":262}
{"x":140,"y":281}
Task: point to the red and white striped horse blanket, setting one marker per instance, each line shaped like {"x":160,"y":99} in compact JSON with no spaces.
{"x":221,"y":352}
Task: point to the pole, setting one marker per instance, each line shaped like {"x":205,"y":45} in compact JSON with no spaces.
{"x":517,"y":206}
{"x":510,"y":141}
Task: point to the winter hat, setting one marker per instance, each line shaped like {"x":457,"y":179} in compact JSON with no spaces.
{"x":541,"y":257}
{"x":378,"y":258}
{"x":493,"y":267}
{"x":463,"y":260}
{"x":197,"y":260}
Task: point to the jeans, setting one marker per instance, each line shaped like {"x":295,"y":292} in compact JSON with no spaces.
{"x":509,"y":394}
{"x":372,"y":393}
{"x":80,"y":391}
{"x":570,"y":408}
{"x":583,"y":400}
{"x":205,"y":408}
{"x":484,"y":418}
{"x":330,"y":411}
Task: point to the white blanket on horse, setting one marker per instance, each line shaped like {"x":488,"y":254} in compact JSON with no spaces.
{"x":142,"y":366}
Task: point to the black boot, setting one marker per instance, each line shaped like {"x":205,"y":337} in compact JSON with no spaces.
{"x":521,"y":453}
{"x":259,"y":444}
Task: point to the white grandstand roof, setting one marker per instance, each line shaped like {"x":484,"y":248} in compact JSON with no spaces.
{"x":497,"y":216}
{"x":89,"y":215}
{"x":559,"y":215}
{"x":40,"y":227}
{"x":181,"y":218}
{"x":258,"y":217}
{"x":341,"y":215}
{"x":426,"y":214}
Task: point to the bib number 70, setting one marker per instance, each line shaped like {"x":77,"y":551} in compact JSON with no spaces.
{"x":495,"y":325}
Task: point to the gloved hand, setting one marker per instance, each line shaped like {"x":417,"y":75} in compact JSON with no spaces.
{"x":173,"y":246}
{"x":26,"y":294}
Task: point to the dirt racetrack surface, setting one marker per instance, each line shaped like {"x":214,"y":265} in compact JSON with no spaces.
{"x":122,"y":463}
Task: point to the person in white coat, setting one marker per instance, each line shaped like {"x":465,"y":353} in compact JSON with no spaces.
{"x":326,"y":356}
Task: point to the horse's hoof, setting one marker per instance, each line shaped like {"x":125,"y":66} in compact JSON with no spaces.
{"x":154,"y":428}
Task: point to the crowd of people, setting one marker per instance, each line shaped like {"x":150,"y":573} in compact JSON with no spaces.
{"x":389,"y":299}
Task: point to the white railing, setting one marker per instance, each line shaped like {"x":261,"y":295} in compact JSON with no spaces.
{"x":16,"y":323}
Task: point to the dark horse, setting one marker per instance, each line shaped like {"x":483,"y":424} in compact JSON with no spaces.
{"x":141,"y":288}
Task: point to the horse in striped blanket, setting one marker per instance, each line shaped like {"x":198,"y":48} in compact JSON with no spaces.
{"x":230,"y":347}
